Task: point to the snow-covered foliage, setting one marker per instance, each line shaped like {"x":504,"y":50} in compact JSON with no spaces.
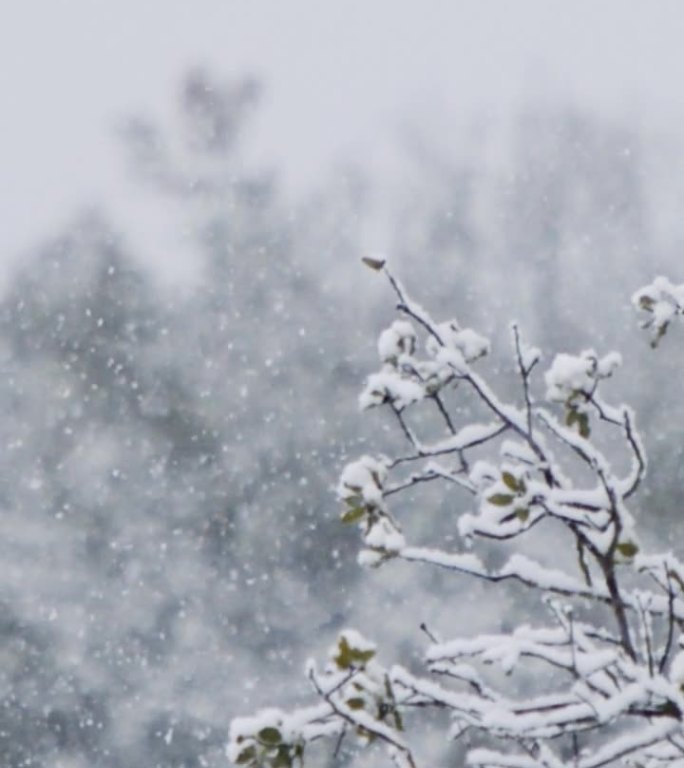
{"x":662,"y":301}
{"x":600,"y":682}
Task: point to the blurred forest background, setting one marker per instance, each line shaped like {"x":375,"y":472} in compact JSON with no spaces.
{"x":170,"y":548}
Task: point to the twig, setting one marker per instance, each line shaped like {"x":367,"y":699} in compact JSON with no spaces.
{"x":670,"y":621}
{"x":382,"y":733}
{"x":524,"y":374}
{"x":445,"y":414}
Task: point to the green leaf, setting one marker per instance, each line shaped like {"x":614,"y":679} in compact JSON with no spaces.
{"x":627,"y":548}
{"x":247,"y":755}
{"x":510,"y":481}
{"x":574,"y":395}
{"x":583,"y":421}
{"x":343,"y":658}
{"x":364,"y":733}
{"x":283,"y":759}
{"x":361,"y":657}
{"x":662,"y":330}
{"x":354,"y":501}
{"x":376,"y":264}
{"x":501,"y":499}
{"x":270,"y":736}
{"x":356,"y":702}
{"x":574,"y":416}
{"x":353,"y":515}
{"x":398,"y":722}
{"x":348,"y":656}
{"x":522,"y":514}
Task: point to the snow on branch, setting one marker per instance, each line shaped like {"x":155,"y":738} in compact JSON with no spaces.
{"x":608,"y":647}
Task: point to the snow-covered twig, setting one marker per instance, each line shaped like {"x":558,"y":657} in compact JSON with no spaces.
{"x":601,"y":691}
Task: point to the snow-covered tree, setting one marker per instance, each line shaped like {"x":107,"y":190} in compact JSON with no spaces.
{"x":550,"y":483}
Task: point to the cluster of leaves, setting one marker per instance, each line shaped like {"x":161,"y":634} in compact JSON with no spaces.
{"x":370,"y":689}
{"x":362,"y":489}
{"x":613,"y":685}
{"x":512,"y":493}
{"x":267,"y":748}
{"x":358,"y":695}
{"x":573,"y":380}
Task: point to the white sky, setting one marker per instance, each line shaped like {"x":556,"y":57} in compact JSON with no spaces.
{"x":340,"y":76}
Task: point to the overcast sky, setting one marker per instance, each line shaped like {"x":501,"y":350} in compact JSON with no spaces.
{"x":340,"y":78}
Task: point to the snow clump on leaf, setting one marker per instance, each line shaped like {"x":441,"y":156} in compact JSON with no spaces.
{"x":390,"y":387}
{"x":397,"y":340}
{"x":571,"y":375}
{"x":466,"y":341}
{"x":662,"y":300}
{"x":363,"y":479}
